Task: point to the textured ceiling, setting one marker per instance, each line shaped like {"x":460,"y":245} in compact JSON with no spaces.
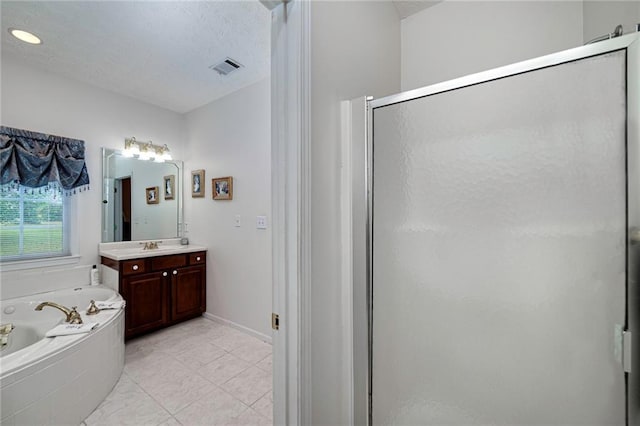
{"x":158,"y":52}
{"x":409,"y":7}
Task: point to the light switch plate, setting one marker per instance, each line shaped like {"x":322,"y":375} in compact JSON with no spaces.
{"x":261,"y":222}
{"x":237,"y":221}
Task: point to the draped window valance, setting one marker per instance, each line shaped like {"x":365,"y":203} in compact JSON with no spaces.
{"x":36,"y":160}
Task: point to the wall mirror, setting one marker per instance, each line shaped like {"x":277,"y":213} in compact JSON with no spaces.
{"x":141,"y":200}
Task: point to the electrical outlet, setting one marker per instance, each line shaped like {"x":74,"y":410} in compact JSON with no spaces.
{"x":237,"y":221}
{"x":261,"y":222}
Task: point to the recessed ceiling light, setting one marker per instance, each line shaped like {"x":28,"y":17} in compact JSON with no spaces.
{"x":25,"y":36}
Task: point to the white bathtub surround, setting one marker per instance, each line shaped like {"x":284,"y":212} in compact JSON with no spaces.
{"x":58,"y":380}
{"x":211,"y":374}
{"x":25,"y":282}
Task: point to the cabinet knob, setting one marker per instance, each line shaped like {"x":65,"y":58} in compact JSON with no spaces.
{"x":198,"y":258}
{"x":135,"y":267}
{"x":164,"y":274}
{"x":175,"y":272}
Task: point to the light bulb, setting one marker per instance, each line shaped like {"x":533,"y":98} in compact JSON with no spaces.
{"x":166,"y":155}
{"x":144,"y":153}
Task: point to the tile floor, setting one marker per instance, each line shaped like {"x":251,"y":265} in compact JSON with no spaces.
{"x":195,"y":373}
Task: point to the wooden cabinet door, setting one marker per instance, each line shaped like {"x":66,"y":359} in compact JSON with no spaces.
{"x":187,"y":292}
{"x":147,"y":302}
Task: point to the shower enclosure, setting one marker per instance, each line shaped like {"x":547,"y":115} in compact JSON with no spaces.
{"x":502,"y":266}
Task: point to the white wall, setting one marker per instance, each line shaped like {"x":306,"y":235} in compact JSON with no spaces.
{"x":228,"y":137}
{"x":354,"y":52}
{"x":601,"y":17}
{"x":45,"y":102}
{"x":232,"y":137}
{"x":456,"y":38}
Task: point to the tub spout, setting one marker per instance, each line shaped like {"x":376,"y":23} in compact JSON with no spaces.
{"x":72,"y":315}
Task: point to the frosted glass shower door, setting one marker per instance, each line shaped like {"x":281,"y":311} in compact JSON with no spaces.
{"x":499,"y":251}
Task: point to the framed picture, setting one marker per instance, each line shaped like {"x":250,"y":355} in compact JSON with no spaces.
{"x":153,"y":195}
{"x":222,"y":188}
{"x":197,"y":183}
{"x":169,"y":187}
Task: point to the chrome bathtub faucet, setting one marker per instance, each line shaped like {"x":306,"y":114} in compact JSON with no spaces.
{"x":73,"y":317}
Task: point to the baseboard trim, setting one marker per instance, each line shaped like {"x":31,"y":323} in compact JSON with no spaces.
{"x":247,"y":330}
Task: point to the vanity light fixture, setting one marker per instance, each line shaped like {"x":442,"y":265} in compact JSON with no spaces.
{"x":130,"y":148}
{"x":146,"y":150}
{"x":166,"y":155}
{"x":25,"y":36}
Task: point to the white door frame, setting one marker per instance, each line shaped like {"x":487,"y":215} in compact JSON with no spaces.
{"x":354,"y":280}
{"x":291,"y":211}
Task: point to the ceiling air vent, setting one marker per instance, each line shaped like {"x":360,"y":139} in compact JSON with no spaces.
{"x":226,"y":67}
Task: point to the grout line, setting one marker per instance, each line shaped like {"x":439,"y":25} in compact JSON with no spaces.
{"x":150,"y":396}
{"x":154,"y":350}
{"x":263,"y":395}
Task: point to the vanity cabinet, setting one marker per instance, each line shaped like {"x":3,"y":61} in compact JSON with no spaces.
{"x":161,"y":290}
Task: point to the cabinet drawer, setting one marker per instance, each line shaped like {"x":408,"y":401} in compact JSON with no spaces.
{"x":197,"y":258}
{"x":166,"y":262}
{"x":136,"y":266}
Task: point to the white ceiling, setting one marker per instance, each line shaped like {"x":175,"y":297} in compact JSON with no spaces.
{"x":158,"y":52}
{"x":409,"y":7}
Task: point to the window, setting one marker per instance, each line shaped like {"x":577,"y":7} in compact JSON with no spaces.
{"x":37,"y":170}
{"x":32,"y":223}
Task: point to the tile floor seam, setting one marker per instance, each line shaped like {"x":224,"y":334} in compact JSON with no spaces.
{"x":208,"y":362}
{"x":150,"y":396}
{"x":122,"y":408}
{"x":198,"y":399}
{"x":155,"y":351}
{"x":261,"y":396}
{"x":240,"y":372}
{"x":247,"y":407}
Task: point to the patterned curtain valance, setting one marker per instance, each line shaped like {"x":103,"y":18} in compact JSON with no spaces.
{"x":34,"y":160}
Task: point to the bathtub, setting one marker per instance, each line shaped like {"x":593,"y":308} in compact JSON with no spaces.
{"x":58,"y":380}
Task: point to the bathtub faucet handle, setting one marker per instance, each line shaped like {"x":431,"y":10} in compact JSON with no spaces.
{"x":5,"y":329}
{"x":74,"y":316}
{"x":93,"y":309}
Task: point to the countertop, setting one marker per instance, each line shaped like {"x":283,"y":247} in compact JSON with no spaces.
{"x":135,"y":249}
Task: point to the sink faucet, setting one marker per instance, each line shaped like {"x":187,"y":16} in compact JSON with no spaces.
{"x":150,"y":245}
{"x":73,"y":316}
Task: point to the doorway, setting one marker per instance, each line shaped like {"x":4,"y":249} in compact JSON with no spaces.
{"x":122,"y":209}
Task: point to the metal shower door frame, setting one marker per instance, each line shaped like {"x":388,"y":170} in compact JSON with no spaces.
{"x":631,"y":45}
